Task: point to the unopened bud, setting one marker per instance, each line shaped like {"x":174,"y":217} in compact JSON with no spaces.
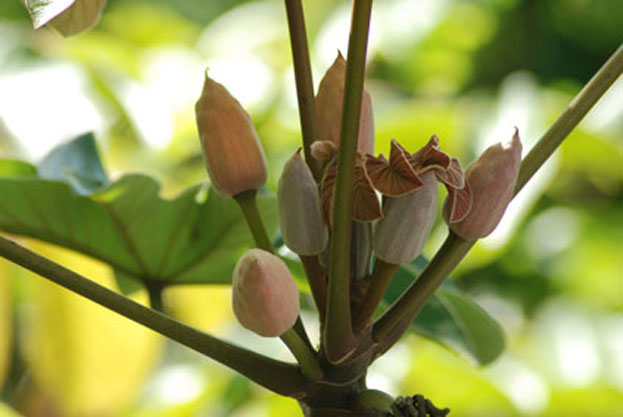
{"x":300,"y":213}
{"x":329,"y":102}
{"x":400,"y":235}
{"x":233,"y":155}
{"x":492,"y":180}
{"x":264,"y":294}
{"x":78,"y":17}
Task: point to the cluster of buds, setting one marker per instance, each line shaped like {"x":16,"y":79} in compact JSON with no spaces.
{"x":265,"y":296}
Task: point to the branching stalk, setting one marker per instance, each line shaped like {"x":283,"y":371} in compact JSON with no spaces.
{"x":338,"y":336}
{"x":390,"y":326}
{"x":280,"y":377}
{"x":379,"y":281}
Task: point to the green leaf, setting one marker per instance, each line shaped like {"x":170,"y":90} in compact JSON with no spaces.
{"x":6,"y":411}
{"x":451,"y":318}
{"x":10,"y":168}
{"x":189,"y":239}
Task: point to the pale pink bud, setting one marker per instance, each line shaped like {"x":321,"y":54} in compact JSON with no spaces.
{"x":264,"y":294}
{"x":300,"y":213}
{"x":400,"y":235}
{"x":329,"y":101}
{"x":233,"y":154}
{"x":492,"y":180}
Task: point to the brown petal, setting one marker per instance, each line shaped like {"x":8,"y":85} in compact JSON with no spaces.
{"x":366,"y":207}
{"x":430,"y":157}
{"x":453,"y":175}
{"x":327,"y":185}
{"x":396,"y":177}
{"x":459,"y":203}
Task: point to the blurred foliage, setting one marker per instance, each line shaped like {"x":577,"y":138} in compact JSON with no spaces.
{"x":467,"y":70}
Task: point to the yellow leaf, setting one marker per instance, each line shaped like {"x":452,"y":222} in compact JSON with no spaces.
{"x":5,"y":322}
{"x":91,"y":361}
{"x":206,"y":307}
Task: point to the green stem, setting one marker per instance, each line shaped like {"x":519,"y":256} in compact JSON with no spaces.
{"x":413,"y":299}
{"x":248,"y":204}
{"x":569,"y":119}
{"x":154,"y":290}
{"x":309,"y":364}
{"x":304,"y":80}
{"x":280,"y":377}
{"x":338,"y":336}
{"x":379,"y":281}
{"x":396,"y":319}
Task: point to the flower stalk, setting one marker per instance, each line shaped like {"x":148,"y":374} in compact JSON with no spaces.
{"x":392,"y":324}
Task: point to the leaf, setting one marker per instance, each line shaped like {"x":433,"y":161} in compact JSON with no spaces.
{"x":69,"y":17}
{"x":451,"y":318}
{"x":127,"y":224}
{"x":5,"y":323}
{"x":88,"y":360}
{"x":6,"y":411}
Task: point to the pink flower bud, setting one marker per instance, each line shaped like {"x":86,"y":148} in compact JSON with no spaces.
{"x":492,"y":180}
{"x":264,"y":294}
{"x":300,"y":213}
{"x":329,"y":101}
{"x":400,"y":235}
{"x":233,"y":154}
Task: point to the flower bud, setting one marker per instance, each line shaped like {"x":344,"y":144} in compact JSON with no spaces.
{"x":264,"y":294}
{"x":329,"y":102}
{"x":400,"y":235}
{"x":233,"y":155}
{"x":492,"y":180}
{"x":300,"y":213}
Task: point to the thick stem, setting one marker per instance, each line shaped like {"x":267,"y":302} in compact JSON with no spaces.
{"x":309,"y":364}
{"x":388,"y":329}
{"x":280,"y":377}
{"x":379,"y":281}
{"x":248,"y":204}
{"x":338,"y":336}
{"x":304,"y":80}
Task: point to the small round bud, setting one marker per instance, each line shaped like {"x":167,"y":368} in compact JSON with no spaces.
{"x":400,"y":235}
{"x":233,"y":155}
{"x":329,"y":102}
{"x":300,"y":213}
{"x":264,"y":295}
{"x":492,"y":180}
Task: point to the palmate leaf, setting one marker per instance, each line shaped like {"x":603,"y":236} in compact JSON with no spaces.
{"x":451,"y":318}
{"x":69,"y":202}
